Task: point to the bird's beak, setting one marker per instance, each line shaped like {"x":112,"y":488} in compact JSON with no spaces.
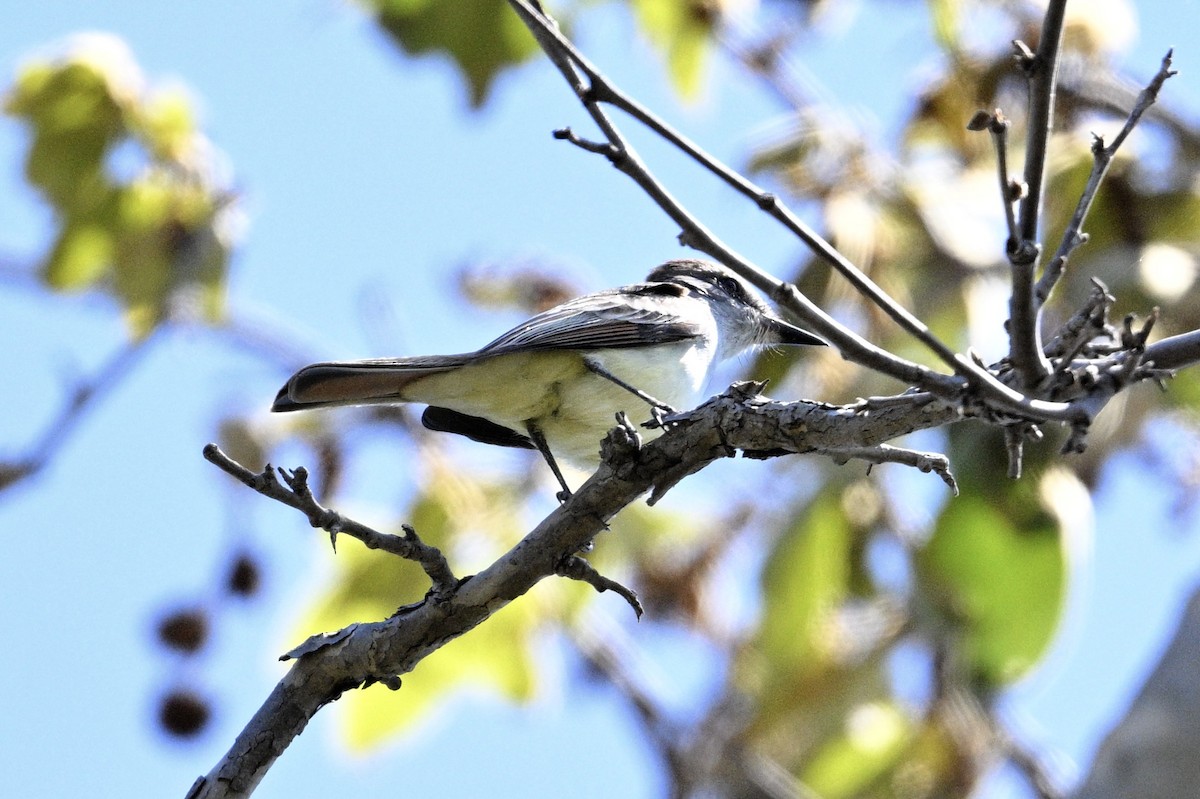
{"x":782,"y":332}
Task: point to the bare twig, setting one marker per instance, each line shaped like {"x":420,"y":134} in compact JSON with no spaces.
{"x":1028,"y":764}
{"x":1025,"y":351}
{"x":381,"y":651}
{"x":1011,"y":192}
{"x":296,"y":494}
{"x":1102,"y":157}
{"x":885,"y":453}
{"x":600,"y":89}
{"x":596,"y":89}
{"x":612,"y":664}
{"x":1176,"y":352}
{"x":83,"y":397}
{"x":576,"y":568}
{"x":1041,"y":69}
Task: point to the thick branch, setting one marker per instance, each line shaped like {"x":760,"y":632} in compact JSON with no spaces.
{"x":1152,"y":751}
{"x":739,"y":419}
{"x":381,"y":651}
{"x":1176,"y":352}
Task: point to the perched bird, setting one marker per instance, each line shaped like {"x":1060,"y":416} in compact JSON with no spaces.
{"x":556,"y":381}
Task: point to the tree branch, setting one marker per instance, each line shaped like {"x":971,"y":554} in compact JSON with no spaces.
{"x":1010,"y":191}
{"x":739,"y":419}
{"x":83,"y":397}
{"x":1151,"y":752}
{"x":1025,"y":350}
{"x":296,"y":494}
{"x":970,"y":376}
{"x":1102,"y":157}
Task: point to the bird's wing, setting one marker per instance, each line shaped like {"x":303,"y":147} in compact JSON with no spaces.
{"x":634,"y":316}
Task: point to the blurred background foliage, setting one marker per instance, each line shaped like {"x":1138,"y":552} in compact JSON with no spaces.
{"x":851,"y":572}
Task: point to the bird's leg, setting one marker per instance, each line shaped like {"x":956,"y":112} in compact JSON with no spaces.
{"x":658,"y":409}
{"x":539,"y":441}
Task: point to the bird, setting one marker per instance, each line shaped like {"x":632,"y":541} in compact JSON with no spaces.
{"x":556,"y":382}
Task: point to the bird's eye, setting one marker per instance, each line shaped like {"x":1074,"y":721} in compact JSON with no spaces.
{"x":730,"y":286}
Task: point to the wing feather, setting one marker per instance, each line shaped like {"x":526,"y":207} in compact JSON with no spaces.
{"x":635,"y":316}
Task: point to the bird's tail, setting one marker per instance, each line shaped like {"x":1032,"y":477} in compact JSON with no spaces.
{"x":359,"y":382}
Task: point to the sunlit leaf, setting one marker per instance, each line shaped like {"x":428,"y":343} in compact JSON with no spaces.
{"x":75,"y":118}
{"x":482,"y":37}
{"x":996,"y":564}
{"x":806,"y":576}
{"x":168,"y":124}
{"x":130,"y":183}
{"x":946,"y":19}
{"x":79,"y":257}
{"x":683,"y":30}
{"x":1100,"y":27}
{"x":494,"y":657}
{"x":875,"y":735}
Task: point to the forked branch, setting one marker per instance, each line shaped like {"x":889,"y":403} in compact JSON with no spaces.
{"x":593,"y":89}
{"x":1102,"y":157}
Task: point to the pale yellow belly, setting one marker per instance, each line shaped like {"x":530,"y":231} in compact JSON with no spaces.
{"x":572,"y":406}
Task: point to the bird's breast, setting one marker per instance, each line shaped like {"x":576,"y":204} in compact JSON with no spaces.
{"x":572,"y":406}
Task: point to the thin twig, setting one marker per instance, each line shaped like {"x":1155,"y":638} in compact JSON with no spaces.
{"x":575,"y":67}
{"x":601,"y":90}
{"x":296,"y":494}
{"x":1029,"y":765}
{"x":885,"y":453}
{"x":997,"y":125}
{"x":1102,"y":157}
{"x":83,"y":397}
{"x":1025,"y":351}
{"x":598,"y":650}
{"x":576,"y":568}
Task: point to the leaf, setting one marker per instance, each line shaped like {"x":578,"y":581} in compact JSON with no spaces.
{"x":996,"y":566}
{"x":874,"y":737}
{"x":496,"y":656}
{"x":482,"y":37}
{"x":80,"y":256}
{"x":165,"y":243}
{"x":76,"y":117}
{"x":806,"y":577}
{"x":683,"y":30}
{"x":947,"y":15}
{"x":453,"y":512}
{"x":167,"y":124}
{"x":129,"y":181}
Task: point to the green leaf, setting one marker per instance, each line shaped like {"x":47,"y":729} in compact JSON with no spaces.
{"x":806,"y":577}
{"x":80,"y":256}
{"x":494,"y":657}
{"x":996,"y":565}
{"x":683,"y":30}
{"x":167,"y":124}
{"x":454,"y":511}
{"x":482,"y":37}
{"x":947,"y":16}
{"x":874,"y":737}
{"x":144,"y":238}
{"x":76,"y":118}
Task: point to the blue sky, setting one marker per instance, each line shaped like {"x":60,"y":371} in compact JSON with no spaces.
{"x":366,"y":177}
